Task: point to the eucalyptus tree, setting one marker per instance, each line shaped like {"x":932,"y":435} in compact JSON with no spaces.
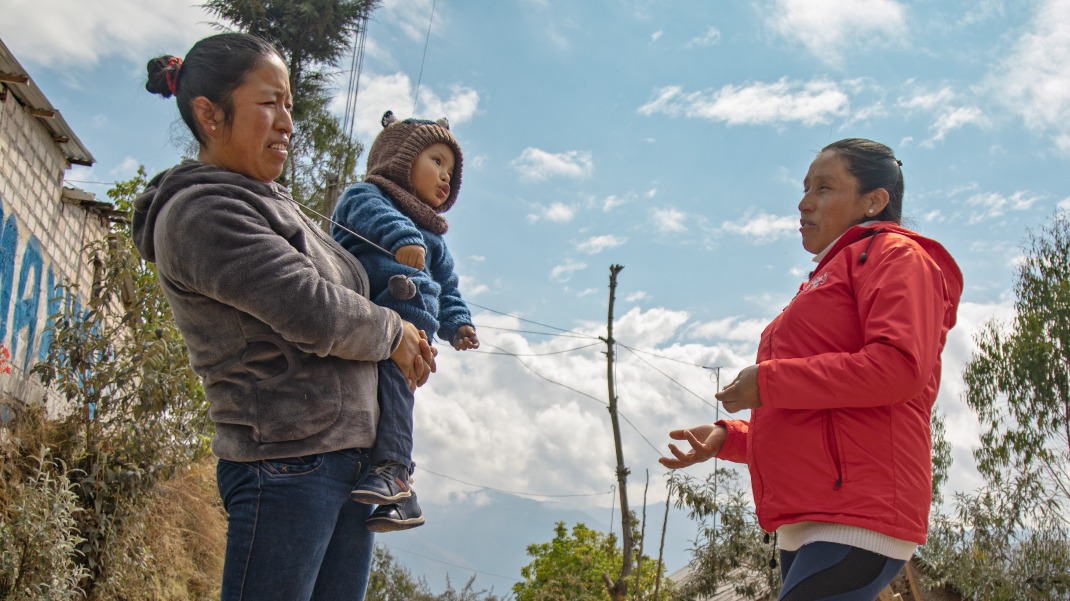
{"x":1011,"y":540}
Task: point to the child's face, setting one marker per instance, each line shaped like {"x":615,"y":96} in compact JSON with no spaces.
{"x":431,"y":173}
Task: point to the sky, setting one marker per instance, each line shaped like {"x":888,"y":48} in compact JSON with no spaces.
{"x":667,"y":136}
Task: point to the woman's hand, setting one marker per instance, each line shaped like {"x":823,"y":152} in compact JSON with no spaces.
{"x":414,"y":356}
{"x":741,"y":393}
{"x":705,"y":440}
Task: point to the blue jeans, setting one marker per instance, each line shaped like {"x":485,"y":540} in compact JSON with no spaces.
{"x":835,"y":572}
{"x":393,"y":435}
{"x":293,"y":533}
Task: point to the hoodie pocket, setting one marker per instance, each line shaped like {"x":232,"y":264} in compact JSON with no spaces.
{"x":294,"y":392}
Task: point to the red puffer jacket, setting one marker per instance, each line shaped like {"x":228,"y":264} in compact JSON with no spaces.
{"x":847,"y":375}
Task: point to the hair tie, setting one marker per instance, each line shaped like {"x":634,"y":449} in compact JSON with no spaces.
{"x":898,"y":162}
{"x":171,"y":74}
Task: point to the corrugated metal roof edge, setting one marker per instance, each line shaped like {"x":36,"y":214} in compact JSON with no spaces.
{"x":31,"y":96}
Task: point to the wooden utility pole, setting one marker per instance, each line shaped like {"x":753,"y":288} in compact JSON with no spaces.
{"x":618,"y":588}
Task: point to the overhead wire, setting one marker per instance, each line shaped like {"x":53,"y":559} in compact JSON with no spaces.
{"x":667,"y":358}
{"x":590,"y":396}
{"x":672,"y":379}
{"x":427,"y":40}
{"x":356,"y":67}
{"x":486,"y":327}
{"x":518,"y":318}
{"x":550,"y":380}
{"x":569,"y":350}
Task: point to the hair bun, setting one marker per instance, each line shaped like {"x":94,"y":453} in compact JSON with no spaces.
{"x":158,"y":70}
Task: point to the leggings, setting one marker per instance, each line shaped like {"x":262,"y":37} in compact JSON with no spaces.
{"x":835,"y":572}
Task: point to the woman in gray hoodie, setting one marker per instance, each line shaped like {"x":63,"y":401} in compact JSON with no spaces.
{"x":278,"y":324}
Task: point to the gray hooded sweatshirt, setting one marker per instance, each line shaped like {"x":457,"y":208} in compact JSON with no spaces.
{"x":275,"y":313}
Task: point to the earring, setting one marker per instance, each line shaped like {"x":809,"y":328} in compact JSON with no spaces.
{"x":213,"y":129}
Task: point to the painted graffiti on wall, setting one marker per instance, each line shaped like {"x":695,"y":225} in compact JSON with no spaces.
{"x":30,"y":294}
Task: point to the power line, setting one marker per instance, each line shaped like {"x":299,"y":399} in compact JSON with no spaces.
{"x":652,"y":366}
{"x":652,"y":354}
{"x":486,"y":327}
{"x":427,"y":41}
{"x":532,"y":370}
{"x":517,"y":317}
{"x":592,"y":397}
{"x":535,"y":354}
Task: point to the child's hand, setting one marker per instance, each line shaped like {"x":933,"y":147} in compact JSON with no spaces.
{"x":465,"y":338}
{"x":411,"y":255}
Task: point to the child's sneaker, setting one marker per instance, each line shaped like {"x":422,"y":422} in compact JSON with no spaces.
{"x":402,"y":515}
{"x":386,"y":483}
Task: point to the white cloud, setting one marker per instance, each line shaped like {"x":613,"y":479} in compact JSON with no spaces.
{"x":413,"y":17}
{"x":947,"y":109}
{"x":669,"y":220}
{"x":1064,"y":204}
{"x":124,"y":170}
{"x":830,"y":28}
{"x":784,"y":101}
{"x":708,"y":38}
{"x":458,"y":107}
{"x":762,"y":227}
{"x":992,"y":205}
{"x":952,"y":119}
{"x":611,"y":202}
{"x":654,"y":37}
{"x":563,"y":273}
{"x":394,"y":92}
{"x":730,"y":329}
{"x":928,"y":101}
{"x":62,"y":34}
{"x":637,"y":296}
{"x":472,"y":287}
{"x":597,"y":244}
{"x":556,"y":212}
{"x":651,"y":327}
{"x":933,"y":216}
{"x":538,"y":165}
{"x":1033,"y":81}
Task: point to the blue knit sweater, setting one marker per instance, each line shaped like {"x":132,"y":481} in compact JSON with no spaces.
{"x":437,"y":308}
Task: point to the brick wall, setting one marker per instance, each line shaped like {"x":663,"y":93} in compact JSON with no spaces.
{"x":41,"y":238}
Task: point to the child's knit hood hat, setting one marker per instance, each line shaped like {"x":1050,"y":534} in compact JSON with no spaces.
{"x":390,"y":162}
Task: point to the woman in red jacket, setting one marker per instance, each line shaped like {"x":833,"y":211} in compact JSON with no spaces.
{"x":838,"y":442}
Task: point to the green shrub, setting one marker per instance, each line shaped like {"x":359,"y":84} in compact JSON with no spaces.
{"x":39,"y":536}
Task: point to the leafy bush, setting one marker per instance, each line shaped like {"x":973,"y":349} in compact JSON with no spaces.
{"x":39,"y":536}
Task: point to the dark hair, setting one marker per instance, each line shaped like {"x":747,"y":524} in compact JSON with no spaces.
{"x":213,"y":68}
{"x":874,"y":166}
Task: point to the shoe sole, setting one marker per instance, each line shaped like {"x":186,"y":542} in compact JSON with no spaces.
{"x":370,"y":498}
{"x":381,"y":526}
